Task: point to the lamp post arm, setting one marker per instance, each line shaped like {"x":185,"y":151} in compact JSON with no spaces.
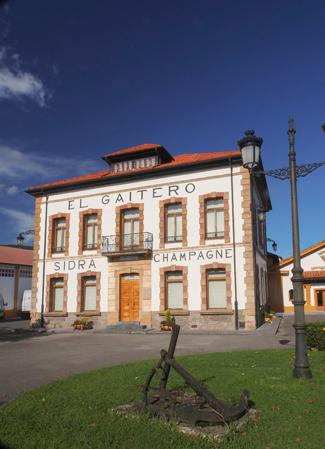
{"x":283,"y":173}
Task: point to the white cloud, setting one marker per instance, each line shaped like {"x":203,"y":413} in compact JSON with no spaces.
{"x":21,"y":221}
{"x":9,"y":189}
{"x":21,"y":165}
{"x":18,"y":84}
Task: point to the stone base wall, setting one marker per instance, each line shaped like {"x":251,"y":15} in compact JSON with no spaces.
{"x":63,"y":322}
{"x":198,"y":320}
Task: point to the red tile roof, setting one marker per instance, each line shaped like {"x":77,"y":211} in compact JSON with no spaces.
{"x":314,"y":274}
{"x":137,"y":148}
{"x":179,"y":160}
{"x":16,"y":256}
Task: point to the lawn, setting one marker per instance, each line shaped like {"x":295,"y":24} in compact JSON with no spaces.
{"x":77,"y":412}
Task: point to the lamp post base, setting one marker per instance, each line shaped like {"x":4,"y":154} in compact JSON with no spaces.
{"x":302,"y":372}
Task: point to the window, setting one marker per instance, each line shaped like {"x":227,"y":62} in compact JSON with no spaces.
{"x":174,"y":290}
{"x":173,"y":223}
{"x":25,"y":273}
{"x":135,"y":164}
{"x":291,"y":294}
{"x":59,"y":234}
{"x":320,"y":298}
{"x":130,"y":227}
{"x":214,"y":218}
{"x":89,"y":293}
{"x":216,"y":289}
{"x":7,"y":272}
{"x":57,"y":295}
{"x":90,"y":231}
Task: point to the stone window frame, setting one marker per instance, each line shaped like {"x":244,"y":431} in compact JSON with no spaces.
{"x":82,"y":215}
{"x":202,"y":217}
{"x":118,"y":217}
{"x":87,"y":313}
{"x":51,"y":231}
{"x":163,"y":293}
{"x":163,"y":224}
{"x":204,"y":288}
{"x":49,"y":278}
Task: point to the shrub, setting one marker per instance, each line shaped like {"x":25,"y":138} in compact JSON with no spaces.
{"x":316,"y":335}
{"x":168,"y":316}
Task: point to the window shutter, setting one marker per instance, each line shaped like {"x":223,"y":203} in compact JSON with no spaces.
{"x":175,"y":295}
{"x":90,"y":297}
{"x":58,"y":299}
{"x":217,"y":294}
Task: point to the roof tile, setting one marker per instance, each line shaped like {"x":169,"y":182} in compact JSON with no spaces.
{"x":16,"y":256}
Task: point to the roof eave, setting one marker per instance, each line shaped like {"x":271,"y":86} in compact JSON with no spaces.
{"x":34,"y":191}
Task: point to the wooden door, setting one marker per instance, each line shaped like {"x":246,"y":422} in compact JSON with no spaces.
{"x":129,"y":297}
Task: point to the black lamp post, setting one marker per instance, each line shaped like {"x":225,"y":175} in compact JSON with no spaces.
{"x":250,"y":155}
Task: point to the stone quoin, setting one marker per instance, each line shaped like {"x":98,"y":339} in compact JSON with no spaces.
{"x":153,"y":232}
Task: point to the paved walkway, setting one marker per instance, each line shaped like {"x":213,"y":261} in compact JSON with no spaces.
{"x":36,"y":359}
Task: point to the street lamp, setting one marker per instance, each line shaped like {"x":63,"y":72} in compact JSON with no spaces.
{"x":250,"y":148}
{"x":251,"y":161}
{"x":20,"y":239}
{"x":274,"y":244}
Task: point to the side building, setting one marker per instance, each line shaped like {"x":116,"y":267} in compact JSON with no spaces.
{"x":280,"y":283}
{"x":153,"y":232}
{"x":15,"y":277}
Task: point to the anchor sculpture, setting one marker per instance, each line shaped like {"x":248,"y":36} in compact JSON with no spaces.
{"x":204,"y":409}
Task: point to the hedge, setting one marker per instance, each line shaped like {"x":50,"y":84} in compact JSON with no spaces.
{"x":316,"y":335}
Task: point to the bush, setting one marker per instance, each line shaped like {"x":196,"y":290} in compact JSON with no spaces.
{"x":316,"y":335}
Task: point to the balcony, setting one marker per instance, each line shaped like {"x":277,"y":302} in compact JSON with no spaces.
{"x":137,"y":244}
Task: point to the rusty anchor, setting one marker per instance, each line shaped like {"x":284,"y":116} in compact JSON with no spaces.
{"x":203,"y":409}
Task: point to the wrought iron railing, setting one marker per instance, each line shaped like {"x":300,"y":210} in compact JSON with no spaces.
{"x":124,"y":243}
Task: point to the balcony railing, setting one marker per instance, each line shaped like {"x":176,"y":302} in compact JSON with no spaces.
{"x":137,"y":243}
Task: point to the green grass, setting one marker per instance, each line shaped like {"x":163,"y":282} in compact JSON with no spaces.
{"x":77,"y":412}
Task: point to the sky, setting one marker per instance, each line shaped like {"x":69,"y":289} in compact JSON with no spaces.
{"x":79,"y":79}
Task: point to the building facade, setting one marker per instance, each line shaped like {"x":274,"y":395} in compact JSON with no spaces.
{"x":153,"y":232}
{"x":15,"y":277}
{"x":280,"y":283}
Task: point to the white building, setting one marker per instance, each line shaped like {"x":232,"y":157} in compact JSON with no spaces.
{"x":313,"y":264}
{"x":153,"y":232}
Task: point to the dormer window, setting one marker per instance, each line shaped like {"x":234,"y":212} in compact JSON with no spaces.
{"x":135,"y":164}
{"x":136,"y":158}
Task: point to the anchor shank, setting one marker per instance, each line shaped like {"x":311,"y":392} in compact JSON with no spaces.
{"x":170,"y":353}
{"x":197,"y":386}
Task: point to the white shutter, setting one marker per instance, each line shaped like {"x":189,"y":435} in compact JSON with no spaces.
{"x":217,"y":294}
{"x":89,"y":235}
{"x":210,"y":223}
{"x":90,"y":297}
{"x":220,"y":223}
{"x":58,"y":299}
{"x":179,"y":227}
{"x":175,"y":295}
{"x":170,"y":228}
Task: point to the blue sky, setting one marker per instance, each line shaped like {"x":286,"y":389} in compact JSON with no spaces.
{"x":80,"y":78}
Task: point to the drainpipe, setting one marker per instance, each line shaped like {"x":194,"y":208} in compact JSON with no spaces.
{"x":43,"y":264}
{"x":234,"y":243}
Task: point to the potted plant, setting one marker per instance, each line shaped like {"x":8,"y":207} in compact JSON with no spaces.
{"x":82,"y":324}
{"x":166,"y":324}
